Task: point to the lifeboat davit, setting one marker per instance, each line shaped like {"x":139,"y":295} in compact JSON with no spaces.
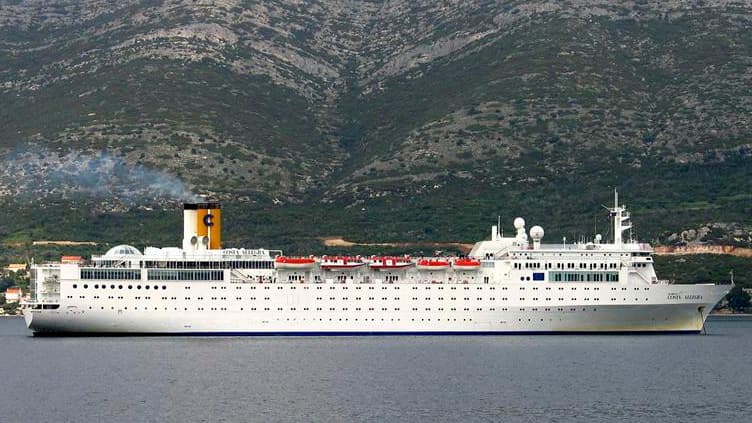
{"x":433,"y":264}
{"x":296,"y":263}
{"x":389,"y":263}
{"x":466,"y":264}
{"x":341,"y":263}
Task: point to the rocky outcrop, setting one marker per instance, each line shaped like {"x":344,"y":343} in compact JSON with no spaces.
{"x":342,"y":101}
{"x":703,"y":249}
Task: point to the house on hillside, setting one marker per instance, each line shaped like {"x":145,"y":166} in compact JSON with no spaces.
{"x":15,"y":268}
{"x":13,"y":295}
{"x":71,"y":259}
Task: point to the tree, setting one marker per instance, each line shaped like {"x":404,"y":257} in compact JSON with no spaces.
{"x":10,"y":308}
{"x":738,"y":299}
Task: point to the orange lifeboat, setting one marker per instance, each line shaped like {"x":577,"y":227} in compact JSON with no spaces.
{"x":294,"y":263}
{"x":466,"y":264}
{"x":433,"y":264}
{"x":389,"y":263}
{"x":341,"y":263}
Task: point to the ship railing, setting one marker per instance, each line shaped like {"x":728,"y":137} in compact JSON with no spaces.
{"x":504,"y":252}
{"x":238,"y":277}
{"x":643,"y":278}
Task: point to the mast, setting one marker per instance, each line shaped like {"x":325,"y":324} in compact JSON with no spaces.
{"x":621,"y":218}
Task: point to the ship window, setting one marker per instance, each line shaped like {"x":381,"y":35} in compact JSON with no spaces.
{"x":100,"y":274}
{"x":185,"y":275}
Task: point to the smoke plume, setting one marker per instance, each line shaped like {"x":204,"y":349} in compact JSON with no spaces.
{"x":38,"y":173}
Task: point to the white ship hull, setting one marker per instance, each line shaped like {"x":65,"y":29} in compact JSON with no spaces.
{"x":639,"y":311}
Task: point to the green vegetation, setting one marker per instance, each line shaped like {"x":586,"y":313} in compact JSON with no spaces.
{"x":10,"y":308}
{"x":705,"y":268}
{"x":385,"y":127}
{"x":12,"y":280}
{"x":738,"y":299}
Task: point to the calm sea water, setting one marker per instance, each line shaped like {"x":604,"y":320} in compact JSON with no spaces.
{"x":671,"y":378}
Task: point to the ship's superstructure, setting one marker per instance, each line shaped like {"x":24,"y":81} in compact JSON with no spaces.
{"x":505,"y":285}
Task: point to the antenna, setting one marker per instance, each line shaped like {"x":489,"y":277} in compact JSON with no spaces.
{"x":595,"y":224}
{"x":616,"y":198}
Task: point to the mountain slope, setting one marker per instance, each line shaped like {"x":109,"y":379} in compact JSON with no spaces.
{"x":415,"y":114}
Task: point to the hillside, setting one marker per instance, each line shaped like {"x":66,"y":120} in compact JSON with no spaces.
{"x":379,"y":121}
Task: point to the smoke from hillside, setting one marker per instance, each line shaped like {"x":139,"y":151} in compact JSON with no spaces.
{"x":36,"y":173}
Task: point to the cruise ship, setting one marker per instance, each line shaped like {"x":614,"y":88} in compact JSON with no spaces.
{"x":514,"y":284}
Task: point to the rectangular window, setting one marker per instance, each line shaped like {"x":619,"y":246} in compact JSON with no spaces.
{"x":111,"y":274}
{"x":185,"y":275}
{"x":581,"y":276}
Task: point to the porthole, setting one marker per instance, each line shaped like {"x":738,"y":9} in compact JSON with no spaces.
{"x":86,"y":286}
{"x":75,"y":286}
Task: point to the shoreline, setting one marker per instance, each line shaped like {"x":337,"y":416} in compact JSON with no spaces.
{"x":729,"y":316}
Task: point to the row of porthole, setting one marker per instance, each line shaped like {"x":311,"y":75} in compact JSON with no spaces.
{"x":267,"y":299}
{"x":320,"y":319}
{"x":357,"y":309}
{"x":558,"y":309}
{"x":283,"y":285}
{"x":97,"y":286}
{"x":267,"y":309}
{"x":224,"y":309}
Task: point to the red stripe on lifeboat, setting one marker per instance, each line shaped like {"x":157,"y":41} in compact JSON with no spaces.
{"x":433,"y":264}
{"x":283,"y":262}
{"x":466,"y":264}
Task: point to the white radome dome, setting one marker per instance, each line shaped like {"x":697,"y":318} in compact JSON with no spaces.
{"x":519,"y":223}
{"x":536,"y":232}
{"x":123,"y":250}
